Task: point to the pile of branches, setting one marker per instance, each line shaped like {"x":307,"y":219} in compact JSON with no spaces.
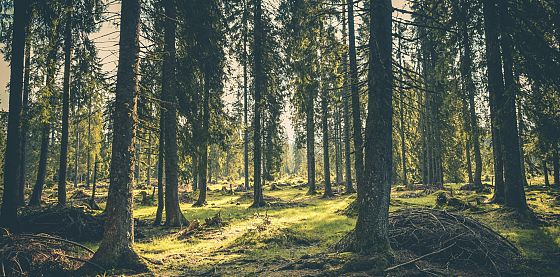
{"x":195,"y":227}
{"x":451,"y":239}
{"x":71,"y":223}
{"x":40,"y":255}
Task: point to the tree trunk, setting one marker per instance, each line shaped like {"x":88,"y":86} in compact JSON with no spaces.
{"x":337,"y":144}
{"x":149,"y":165}
{"x":94,"y":187}
{"x":8,"y":215}
{"x":173,"y":215}
{"x":556,"y":167}
{"x":245,"y":101}
{"x":521,"y":123}
{"x":89,"y":149}
{"x":77,"y":146}
{"x":258,"y":32}
{"x":545,"y":173}
{"x":116,"y":247}
{"x":65,"y":106}
{"x":325,"y":124}
{"x":310,"y":138}
{"x":374,"y":193}
{"x":24,"y":125}
{"x":513,"y":177}
{"x":160,"y":170}
{"x":346,"y":112}
{"x":203,"y":157}
{"x":401,"y":120}
{"x":356,"y":117}
{"x":496,"y":90}
{"x":45,"y":129}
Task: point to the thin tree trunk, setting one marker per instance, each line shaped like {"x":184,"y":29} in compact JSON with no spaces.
{"x":77,"y":146}
{"x":356,"y":117}
{"x":149,"y":165}
{"x":310,"y":138}
{"x":325,"y":124}
{"x":401,"y":120}
{"x":245,"y":101}
{"x":94,"y":187}
{"x":160,"y":170}
{"x":258,"y":32}
{"x":89,"y":149}
{"x":24,"y":124}
{"x":337,"y":144}
{"x":63,"y":166}
{"x":556,"y":167}
{"x":545,"y":173}
{"x":346,"y":112}
{"x":8,"y":215}
{"x":203,"y":157}
{"x":521,"y":123}
{"x":45,"y":129}
{"x":116,"y":247}
{"x":173,"y":214}
{"x":374,"y":193}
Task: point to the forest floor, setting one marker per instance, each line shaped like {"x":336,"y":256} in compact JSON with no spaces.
{"x":297,"y":227}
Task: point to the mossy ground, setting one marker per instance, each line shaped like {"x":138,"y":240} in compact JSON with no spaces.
{"x":259,"y":241}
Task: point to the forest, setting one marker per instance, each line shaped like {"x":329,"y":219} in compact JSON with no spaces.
{"x":280,"y":138}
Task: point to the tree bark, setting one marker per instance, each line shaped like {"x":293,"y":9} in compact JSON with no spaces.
{"x":346,"y":112}
{"x":545,"y":173}
{"x":89,"y":149}
{"x":556,"y":167}
{"x":374,"y":193}
{"x":245,"y":101}
{"x":496,"y":90}
{"x":24,"y":124}
{"x":160,"y":170}
{"x":356,"y":117}
{"x":325,"y":124}
{"x":513,"y":177}
{"x":310,"y":139}
{"x":8,"y":215}
{"x":203,"y":147}
{"x":258,"y":32}
{"x":116,"y":247}
{"x":173,"y":215}
{"x":65,"y":106}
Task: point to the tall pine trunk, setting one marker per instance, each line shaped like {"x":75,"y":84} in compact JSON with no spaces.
{"x":116,"y":247}
{"x":513,"y":171}
{"x":346,"y":111}
{"x":245,"y":101}
{"x":496,"y":90}
{"x":24,"y":124}
{"x":545,"y":173}
{"x":63,"y":166}
{"x":203,"y":147}
{"x":258,"y":33}
{"x":173,"y":215}
{"x":160,"y":170}
{"x":374,"y":193}
{"x":325,"y":126}
{"x":8,"y":212}
{"x":556,"y":167}
{"x":356,"y":117}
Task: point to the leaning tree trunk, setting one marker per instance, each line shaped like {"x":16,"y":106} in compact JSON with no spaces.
{"x":496,"y":90}
{"x":24,"y":125}
{"x":8,"y":213}
{"x":346,"y":113}
{"x":35,"y":199}
{"x":356,"y":117}
{"x":513,"y":171}
{"x":173,"y":215}
{"x":258,"y":71}
{"x":374,"y":193}
{"x":116,"y":247}
{"x":65,"y":106}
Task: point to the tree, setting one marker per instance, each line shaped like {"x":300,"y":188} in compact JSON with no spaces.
{"x":68,"y":45}
{"x":116,"y":247}
{"x":371,"y":232}
{"x":258,"y":34}
{"x":346,"y":110}
{"x":173,"y":215}
{"x":8,"y":212}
